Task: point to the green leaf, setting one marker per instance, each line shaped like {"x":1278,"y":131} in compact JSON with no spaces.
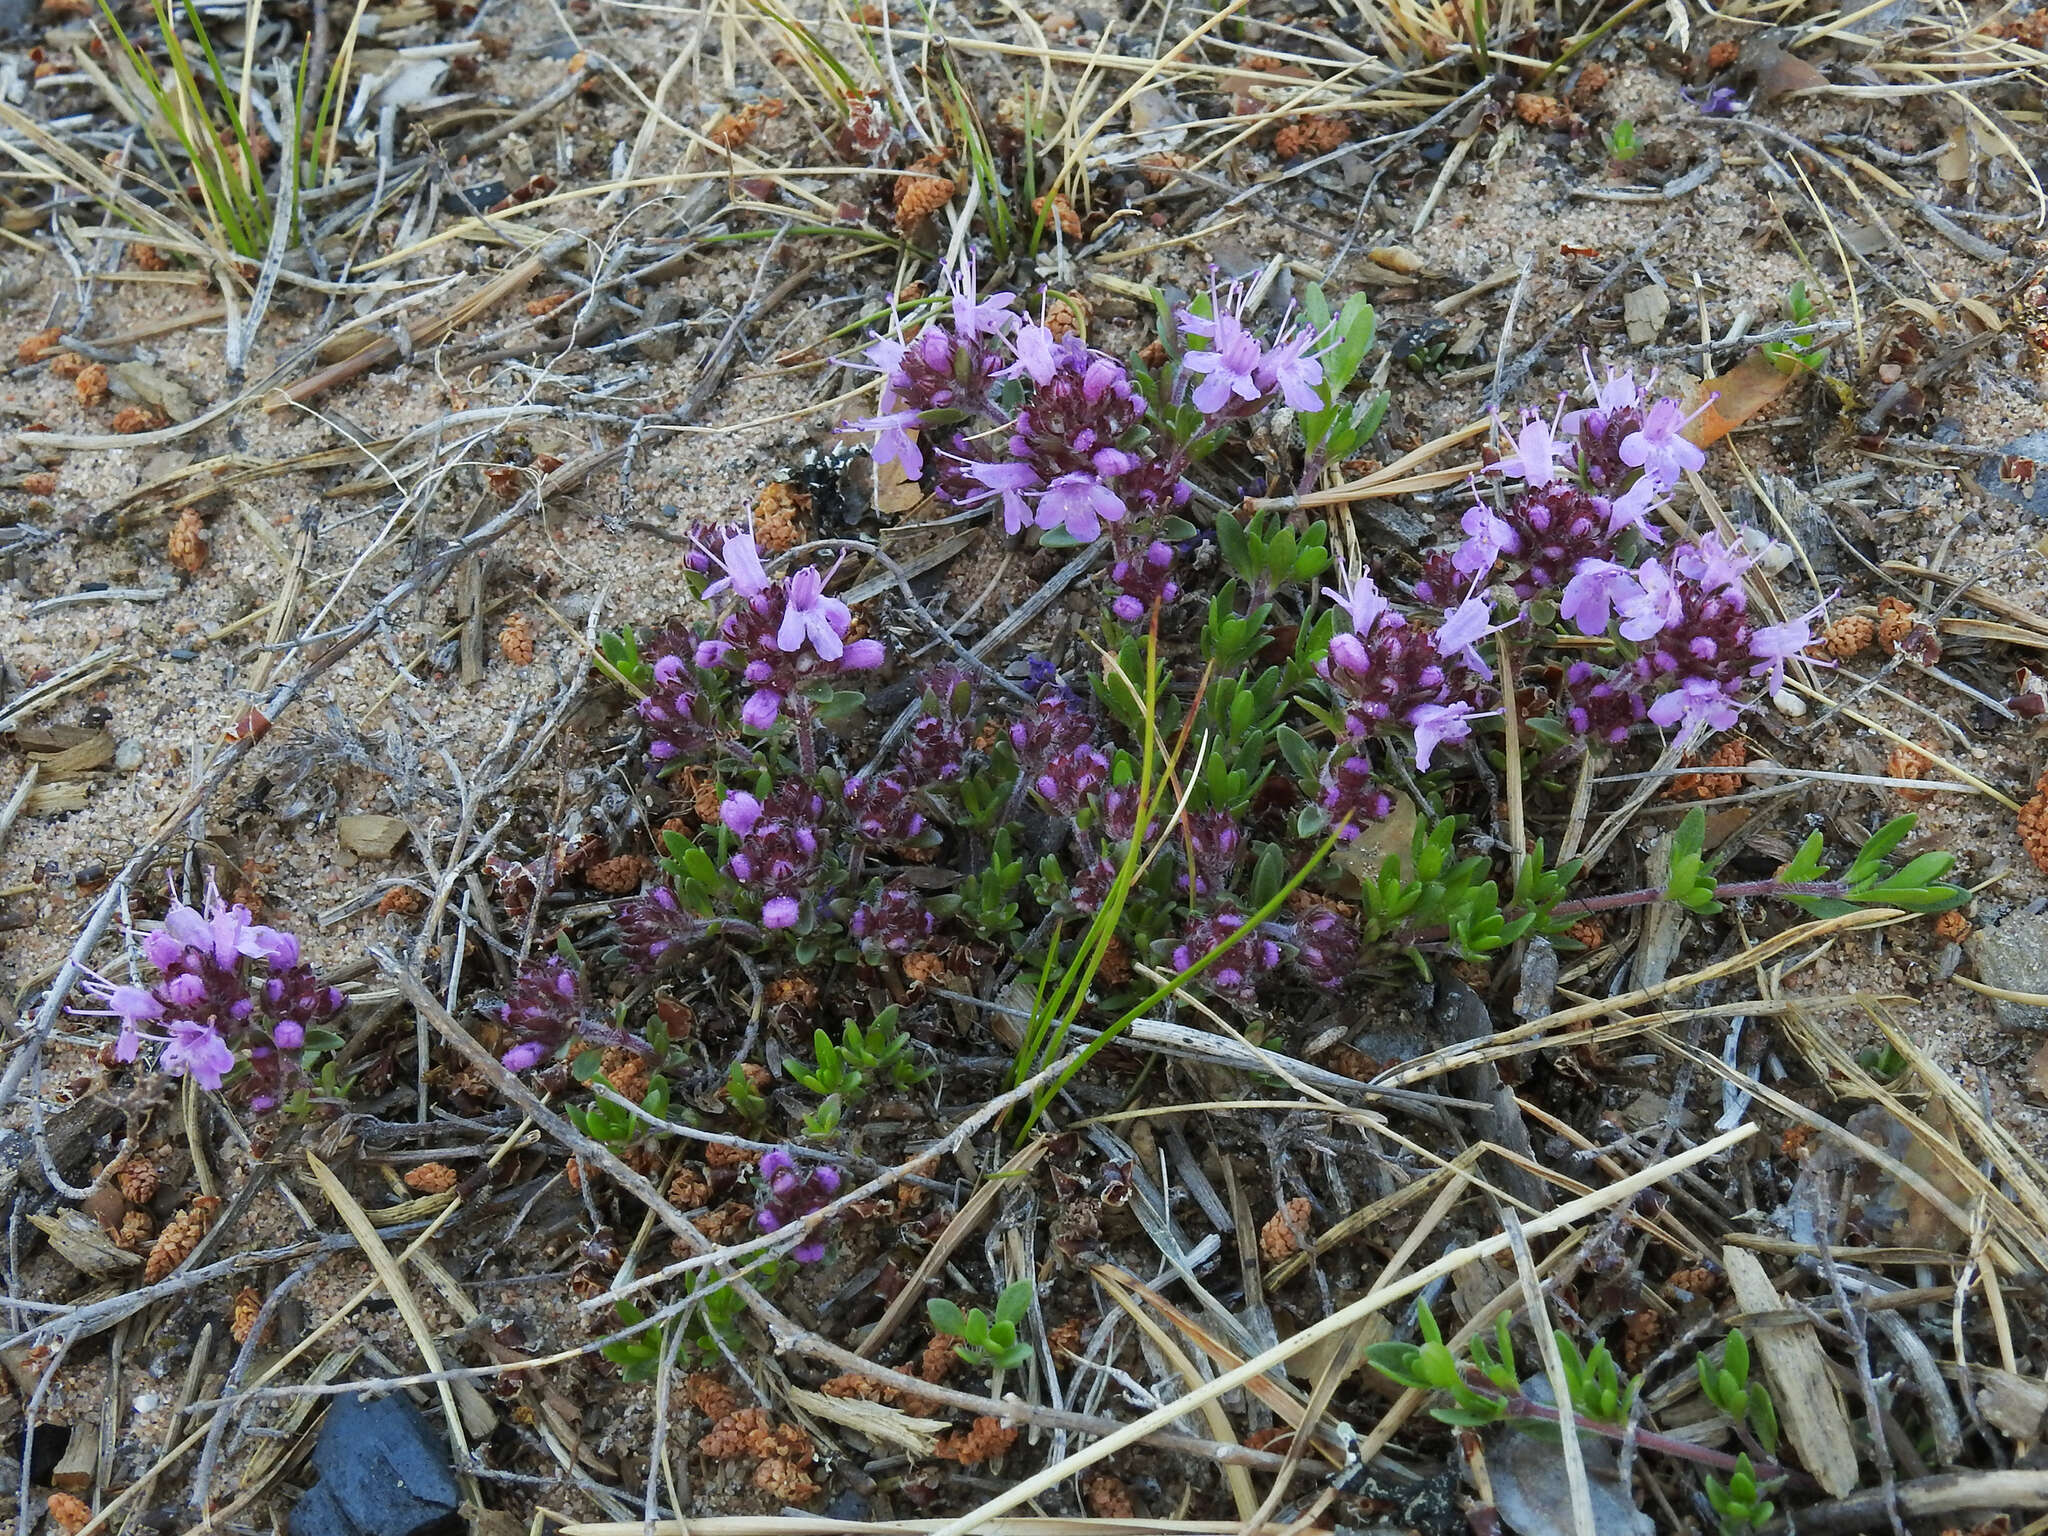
{"x":585,"y":1065}
{"x":1015,"y":1302}
{"x":1878,"y":846}
{"x":1763,"y":1418}
{"x":1397,"y":1362}
{"x":946,"y":1317}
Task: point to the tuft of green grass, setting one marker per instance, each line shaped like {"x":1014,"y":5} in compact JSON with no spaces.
{"x":189,"y":103}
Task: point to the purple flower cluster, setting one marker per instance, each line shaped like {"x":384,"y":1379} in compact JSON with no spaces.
{"x":1577,"y":532}
{"x":1080,"y":450}
{"x":895,"y":922}
{"x":1237,"y":972}
{"x":1388,"y":672}
{"x":226,"y":984}
{"x":1682,"y":652}
{"x":780,"y":849}
{"x":548,"y":1007}
{"x":791,"y":1195}
{"x":781,"y":636}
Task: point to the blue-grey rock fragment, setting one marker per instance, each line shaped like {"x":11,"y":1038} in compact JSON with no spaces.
{"x":383,"y":1472}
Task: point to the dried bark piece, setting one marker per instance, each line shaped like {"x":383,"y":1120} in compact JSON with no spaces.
{"x":779,"y":512}
{"x":1904,"y":762}
{"x":131,"y":419}
{"x":402,"y":901}
{"x":716,"y":1153}
{"x":1895,"y":618}
{"x":431,"y":1179}
{"x":1108,"y":1498}
{"x":710,"y":1396}
{"x":938,"y":1359}
{"x":795,"y":990}
{"x":1316,"y":135}
{"x":784,"y":1481}
{"x":1732,"y":753}
{"x":179,"y":1237}
{"x":627,"y":1072}
{"x":920,"y":194}
{"x":248,"y":1307}
{"x":1809,"y":1403}
{"x":727,"y":1224}
{"x":1054,"y":208}
{"x":688,"y":1190}
{"x":91,"y":384}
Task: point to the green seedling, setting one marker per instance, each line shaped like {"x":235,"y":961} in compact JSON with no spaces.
{"x":989,"y":1343}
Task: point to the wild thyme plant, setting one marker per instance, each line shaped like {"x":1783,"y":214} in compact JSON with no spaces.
{"x":1487,"y":1387}
{"x":234,"y":1006}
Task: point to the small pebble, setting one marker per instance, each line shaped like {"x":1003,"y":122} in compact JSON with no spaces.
{"x":128,"y":755}
{"x":1786,"y":702}
{"x":184,"y":653}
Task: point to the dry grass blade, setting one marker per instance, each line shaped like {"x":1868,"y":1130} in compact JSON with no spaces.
{"x":397,"y":1287}
{"x":1212,"y":1411}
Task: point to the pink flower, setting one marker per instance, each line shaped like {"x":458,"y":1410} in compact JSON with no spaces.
{"x":1653,"y":606}
{"x":744,"y":573}
{"x":1658,"y":449}
{"x":1437,"y":725}
{"x":974,"y":317}
{"x":1631,"y":509}
{"x":1038,"y":353}
{"x":1010,"y":481}
{"x":1777,"y":644}
{"x":1081,"y":504}
{"x":1486,"y":535}
{"x":809,"y":615}
{"x":527,"y":1053}
{"x":1619,"y":393}
{"x":862,"y":656}
{"x":133,"y":1006}
{"x":895,"y":445}
{"x":1590,"y":595}
{"x":762,"y":709}
{"x":740,"y":811}
{"x":1696,"y":701}
{"x":195,"y":1051}
{"x":1534,"y":460}
{"x":1361,"y":601}
{"x":1713,"y":564}
{"x":780,"y":912}
{"x":1230,"y":369}
{"x":1461,"y":631}
{"x":1288,"y":367}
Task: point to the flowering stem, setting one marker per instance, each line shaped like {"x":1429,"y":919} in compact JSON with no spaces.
{"x":1579,"y":906}
{"x":1522,"y":1407}
{"x":806,"y":736}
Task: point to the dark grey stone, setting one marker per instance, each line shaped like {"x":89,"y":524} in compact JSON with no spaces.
{"x":383,"y":1472}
